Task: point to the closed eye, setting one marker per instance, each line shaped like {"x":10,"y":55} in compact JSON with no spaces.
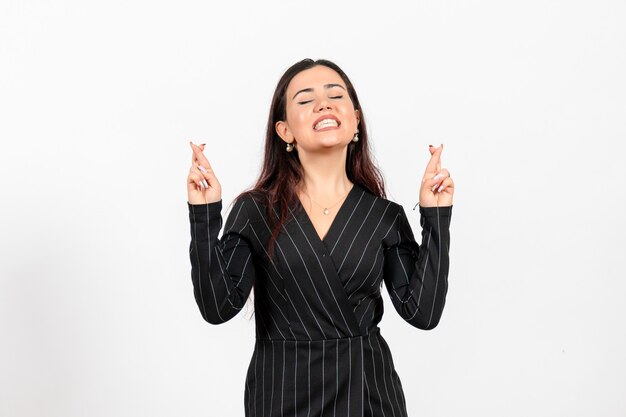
{"x":308,"y":101}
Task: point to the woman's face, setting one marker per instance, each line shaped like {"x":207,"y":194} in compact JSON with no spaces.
{"x":320,"y":113}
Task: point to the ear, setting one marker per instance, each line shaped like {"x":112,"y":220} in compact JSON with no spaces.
{"x":283,"y":131}
{"x":357,"y":114}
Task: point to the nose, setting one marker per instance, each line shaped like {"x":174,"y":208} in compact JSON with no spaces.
{"x":323,"y":104}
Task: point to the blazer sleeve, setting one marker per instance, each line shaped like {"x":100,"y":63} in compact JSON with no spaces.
{"x":416,"y":276}
{"x":222,"y":270}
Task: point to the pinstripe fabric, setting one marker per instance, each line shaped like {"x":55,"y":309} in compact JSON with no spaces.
{"x":319,"y":351}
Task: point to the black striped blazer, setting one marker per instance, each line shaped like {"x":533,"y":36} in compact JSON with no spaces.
{"x":318,"y":349}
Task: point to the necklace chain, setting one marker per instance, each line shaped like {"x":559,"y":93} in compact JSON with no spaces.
{"x":326,"y":211}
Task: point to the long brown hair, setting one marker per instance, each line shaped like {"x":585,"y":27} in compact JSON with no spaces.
{"x":282,"y":172}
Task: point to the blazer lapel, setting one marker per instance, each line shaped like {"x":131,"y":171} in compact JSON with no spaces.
{"x":320,"y":253}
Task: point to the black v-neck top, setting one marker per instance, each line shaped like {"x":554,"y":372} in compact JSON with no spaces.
{"x":318,"y":302}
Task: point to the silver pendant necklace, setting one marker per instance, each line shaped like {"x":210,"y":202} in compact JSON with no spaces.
{"x":326,"y":209}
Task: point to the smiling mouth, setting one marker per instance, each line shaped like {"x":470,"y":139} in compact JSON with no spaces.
{"x":326,"y":124}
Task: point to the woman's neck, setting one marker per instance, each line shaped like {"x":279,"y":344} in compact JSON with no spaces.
{"x":325,"y":175}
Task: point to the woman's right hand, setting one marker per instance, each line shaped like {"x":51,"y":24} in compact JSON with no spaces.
{"x":202,"y":184}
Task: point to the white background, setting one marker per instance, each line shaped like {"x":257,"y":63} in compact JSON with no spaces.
{"x":99,"y":100}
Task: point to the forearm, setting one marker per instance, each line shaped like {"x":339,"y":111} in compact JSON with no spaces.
{"x":420,"y":274}
{"x":219,"y":286}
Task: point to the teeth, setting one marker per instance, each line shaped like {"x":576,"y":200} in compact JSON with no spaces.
{"x":326,"y":123}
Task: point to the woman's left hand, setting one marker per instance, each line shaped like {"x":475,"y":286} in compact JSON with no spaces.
{"x":437,"y":186}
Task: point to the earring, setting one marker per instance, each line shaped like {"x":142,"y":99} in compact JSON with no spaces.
{"x":356,"y":136}
{"x":289,"y":147}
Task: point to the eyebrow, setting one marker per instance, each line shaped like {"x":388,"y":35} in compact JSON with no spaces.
{"x":310,"y":90}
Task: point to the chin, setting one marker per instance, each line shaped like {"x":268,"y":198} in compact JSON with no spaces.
{"x":328,"y":146}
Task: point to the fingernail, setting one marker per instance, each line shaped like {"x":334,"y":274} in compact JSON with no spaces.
{"x":206,"y":184}
{"x":440,"y":188}
{"x":436,"y":177}
{"x":434,"y":186}
{"x":201,"y":168}
{"x":202,"y":144}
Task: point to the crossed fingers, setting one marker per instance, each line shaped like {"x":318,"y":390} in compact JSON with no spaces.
{"x":442,"y":178}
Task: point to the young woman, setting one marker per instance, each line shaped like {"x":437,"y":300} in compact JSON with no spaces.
{"x":316,"y":238}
